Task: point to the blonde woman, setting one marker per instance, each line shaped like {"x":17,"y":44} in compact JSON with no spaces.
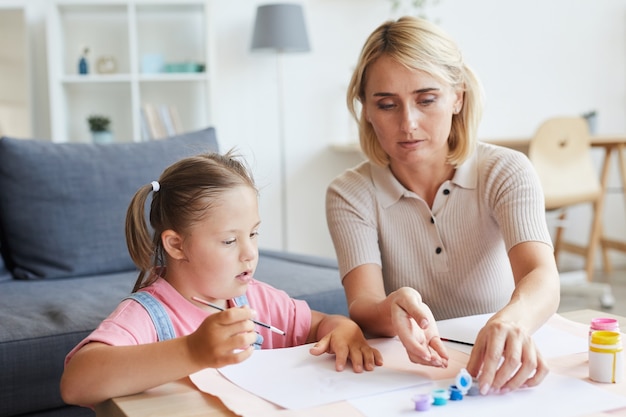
{"x":436,"y":225}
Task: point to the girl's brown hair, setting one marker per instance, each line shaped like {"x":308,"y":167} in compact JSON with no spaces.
{"x":187,"y":190}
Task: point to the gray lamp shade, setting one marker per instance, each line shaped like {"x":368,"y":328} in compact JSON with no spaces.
{"x":280,"y":27}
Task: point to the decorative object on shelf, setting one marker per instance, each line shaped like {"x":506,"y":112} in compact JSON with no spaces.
{"x":83,"y":64}
{"x":106,"y":64}
{"x":187,"y":66}
{"x":592,"y":121}
{"x":152,"y":63}
{"x":281,"y":28}
{"x":99,"y":127}
{"x":413,"y":7}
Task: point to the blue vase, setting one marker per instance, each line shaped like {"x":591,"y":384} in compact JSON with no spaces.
{"x":83,"y":68}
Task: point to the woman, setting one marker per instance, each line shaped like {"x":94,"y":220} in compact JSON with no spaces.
{"x":436,"y":225}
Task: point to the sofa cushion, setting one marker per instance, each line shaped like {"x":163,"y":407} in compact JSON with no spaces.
{"x":40,"y":322}
{"x":4,"y":272}
{"x":63,"y":205}
{"x":306,"y":277}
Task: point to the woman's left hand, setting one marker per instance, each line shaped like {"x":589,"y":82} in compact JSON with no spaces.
{"x":505,"y":358}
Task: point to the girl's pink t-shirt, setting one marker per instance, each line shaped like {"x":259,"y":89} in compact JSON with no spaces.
{"x":130,"y":323}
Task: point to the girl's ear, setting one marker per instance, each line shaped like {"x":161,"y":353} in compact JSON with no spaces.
{"x":173,"y":244}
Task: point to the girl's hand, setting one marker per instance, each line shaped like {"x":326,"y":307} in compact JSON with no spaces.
{"x":505,"y":358}
{"x":415,"y":326}
{"x":346,"y":342}
{"x":223,"y":338}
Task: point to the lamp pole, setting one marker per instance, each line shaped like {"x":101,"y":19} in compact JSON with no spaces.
{"x":281,"y":28}
{"x":282,"y":143}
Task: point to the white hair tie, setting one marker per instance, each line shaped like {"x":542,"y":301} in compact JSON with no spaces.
{"x":155,"y":186}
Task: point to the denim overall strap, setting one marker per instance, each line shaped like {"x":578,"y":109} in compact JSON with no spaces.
{"x":160,"y":318}
{"x":242,"y":300}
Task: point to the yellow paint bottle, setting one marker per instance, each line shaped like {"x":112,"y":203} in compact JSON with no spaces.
{"x":606,"y":357}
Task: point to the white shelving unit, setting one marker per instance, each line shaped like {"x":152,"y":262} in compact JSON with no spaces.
{"x":176,"y":30}
{"x":15,"y":101}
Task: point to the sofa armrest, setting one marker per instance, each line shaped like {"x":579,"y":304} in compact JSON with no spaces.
{"x":314,"y":279}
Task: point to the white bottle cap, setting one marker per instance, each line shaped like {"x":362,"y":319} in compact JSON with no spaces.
{"x":463,"y":381}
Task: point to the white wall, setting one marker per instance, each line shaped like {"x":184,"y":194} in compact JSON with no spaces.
{"x":536,"y":59}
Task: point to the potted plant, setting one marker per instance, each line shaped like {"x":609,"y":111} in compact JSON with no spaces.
{"x":100,"y":128}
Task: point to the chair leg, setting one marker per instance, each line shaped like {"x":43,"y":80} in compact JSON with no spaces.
{"x":558,"y":235}
{"x":594,"y":239}
{"x":606,"y":261}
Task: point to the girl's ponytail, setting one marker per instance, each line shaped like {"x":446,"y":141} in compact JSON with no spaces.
{"x":138,"y":236}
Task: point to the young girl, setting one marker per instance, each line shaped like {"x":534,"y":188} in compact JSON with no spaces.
{"x":205,"y":221}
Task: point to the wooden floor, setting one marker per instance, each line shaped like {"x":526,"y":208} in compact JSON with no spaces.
{"x":617,"y":279}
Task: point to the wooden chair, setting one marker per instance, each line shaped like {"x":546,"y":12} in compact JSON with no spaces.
{"x":561,"y":154}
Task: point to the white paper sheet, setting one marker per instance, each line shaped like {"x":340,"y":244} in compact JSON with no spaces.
{"x":295,"y":379}
{"x":550,"y":341}
{"x":556,"y":396}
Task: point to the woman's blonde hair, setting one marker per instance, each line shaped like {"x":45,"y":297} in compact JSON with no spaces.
{"x":182,"y":197}
{"x":419,"y":45}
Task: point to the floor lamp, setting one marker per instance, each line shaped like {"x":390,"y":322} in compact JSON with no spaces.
{"x":281,"y":28}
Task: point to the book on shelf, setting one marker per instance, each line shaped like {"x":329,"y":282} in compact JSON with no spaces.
{"x":158,"y":122}
{"x":153,"y":121}
{"x":166,"y":119}
{"x":145,"y":130}
{"x":176,"y":123}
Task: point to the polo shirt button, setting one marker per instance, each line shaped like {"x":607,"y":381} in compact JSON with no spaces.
{"x":438,"y":251}
{"x":446,"y":191}
{"x":432,"y":220}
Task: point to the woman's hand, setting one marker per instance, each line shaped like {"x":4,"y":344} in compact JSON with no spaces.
{"x":223,"y":338}
{"x":415,"y":325}
{"x":505,"y":358}
{"x":345,"y":340}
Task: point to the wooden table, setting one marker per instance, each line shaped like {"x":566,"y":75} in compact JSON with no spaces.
{"x":584,"y":316}
{"x":181,"y":398}
{"x":612,"y":144}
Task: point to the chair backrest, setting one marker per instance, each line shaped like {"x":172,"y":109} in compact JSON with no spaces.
{"x":561,"y":154}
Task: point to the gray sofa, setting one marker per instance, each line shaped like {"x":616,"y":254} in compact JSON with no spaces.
{"x":64,"y":264}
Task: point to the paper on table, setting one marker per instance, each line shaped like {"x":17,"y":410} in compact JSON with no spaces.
{"x":293,"y":378}
{"x":395,"y":360}
{"x":556,"y":396}
{"x":551,"y":341}
{"x":245,"y":404}
{"x":236,"y":399}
